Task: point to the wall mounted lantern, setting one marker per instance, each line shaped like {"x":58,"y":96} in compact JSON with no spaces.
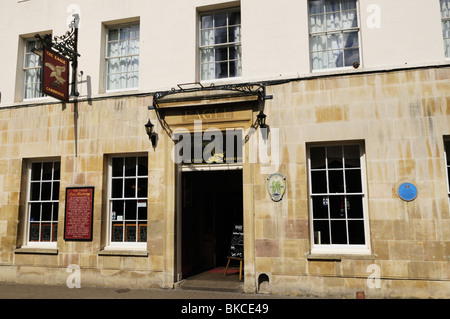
{"x":152,"y":135}
{"x":261,"y":119}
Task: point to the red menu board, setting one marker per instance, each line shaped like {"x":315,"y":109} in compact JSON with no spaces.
{"x":79,"y":211}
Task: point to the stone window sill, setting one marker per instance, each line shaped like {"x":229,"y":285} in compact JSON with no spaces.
{"x":337,"y":257}
{"x":127,"y":253}
{"x":36,"y":251}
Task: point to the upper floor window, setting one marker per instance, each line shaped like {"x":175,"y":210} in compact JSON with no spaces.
{"x":445,"y":16}
{"x":220,"y":45}
{"x":32,"y":70}
{"x":334,"y":34}
{"x":122,"y":57}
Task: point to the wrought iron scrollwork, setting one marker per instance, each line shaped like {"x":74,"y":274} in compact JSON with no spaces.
{"x":257,"y":89}
{"x":66,"y":45}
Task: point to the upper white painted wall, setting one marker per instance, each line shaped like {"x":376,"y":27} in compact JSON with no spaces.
{"x":275,"y":37}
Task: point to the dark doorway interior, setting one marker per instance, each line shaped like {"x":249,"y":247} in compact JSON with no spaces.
{"x":211,"y":205}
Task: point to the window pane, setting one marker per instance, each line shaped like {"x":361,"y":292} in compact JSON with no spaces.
{"x":349,"y":19}
{"x":235,"y":68}
{"x":317,"y":23}
{"x":221,"y":70}
{"x":353,"y":181}
{"x":36,"y":171}
{"x":207,"y":55}
{"x":35,"y":212}
{"x":56,"y":170}
{"x":142,"y":233}
{"x":351,"y":40}
{"x":234,"y":18}
{"x":220,"y":36}
{"x":55,"y":191}
{"x":116,"y":191}
{"x":332,"y":5}
{"x":117,"y":166}
{"x":113,"y":49}
{"x":337,"y":207}
{"x":316,"y":6}
{"x":47,"y":171}
{"x":235,"y":52}
{"x":336,"y":181}
{"x":319,"y":182}
{"x":46,"y":211}
{"x":356,"y":232}
{"x":220,"y":20}
{"x":142,"y":212}
{"x":35,"y":191}
{"x":319,"y":60}
{"x":351,"y":56}
{"x":355,"y":206}
{"x":113,"y":34}
{"x":117,"y":232}
{"x":320,"y":207}
{"x":206,"y":21}
{"x":130,"y":209}
{"x":143,"y":166}
{"x":445,"y":8}
{"x":55,"y":212}
{"x":46,"y":191}
{"x":46,"y":232}
{"x":131,"y":232}
{"x":321,"y":232}
{"x":333,"y":21}
{"x":117,"y":210}
{"x":234,"y":34}
{"x":34,"y":232}
{"x":334,"y":156}
{"x":348,"y":4}
{"x":130,"y":166}
{"x":351,"y":155}
{"x":221,"y":54}
{"x":130,"y":188}
{"x":207,"y":37}
{"x":142,"y":187}
{"x":317,"y":155}
{"x":207,"y":71}
{"x":338,"y":232}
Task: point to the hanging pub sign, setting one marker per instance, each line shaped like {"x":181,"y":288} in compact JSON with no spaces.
{"x":55,"y":79}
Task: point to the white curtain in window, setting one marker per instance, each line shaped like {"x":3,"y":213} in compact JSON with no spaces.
{"x":445,"y":14}
{"x":331,"y":46}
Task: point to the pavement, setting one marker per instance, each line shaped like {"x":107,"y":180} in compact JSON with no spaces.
{"x":180,"y":302}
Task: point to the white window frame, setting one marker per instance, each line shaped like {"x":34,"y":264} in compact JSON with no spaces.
{"x":123,"y":245}
{"x":445,"y":20}
{"x":119,"y":57}
{"x":339,"y":248}
{"x":340,"y":31}
{"x":215,"y":46}
{"x":447,"y":164}
{"x":29,"y":202}
{"x":37,"y":68}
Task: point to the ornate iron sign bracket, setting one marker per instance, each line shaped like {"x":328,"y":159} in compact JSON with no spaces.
{"x":66,"y":45}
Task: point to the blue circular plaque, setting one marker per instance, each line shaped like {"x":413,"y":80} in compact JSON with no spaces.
{"x":407,"y":191}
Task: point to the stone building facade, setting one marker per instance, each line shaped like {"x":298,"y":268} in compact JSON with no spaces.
{"x":346,"y":143}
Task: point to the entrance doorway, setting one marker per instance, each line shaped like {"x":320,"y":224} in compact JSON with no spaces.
{"x":212,"y":202}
